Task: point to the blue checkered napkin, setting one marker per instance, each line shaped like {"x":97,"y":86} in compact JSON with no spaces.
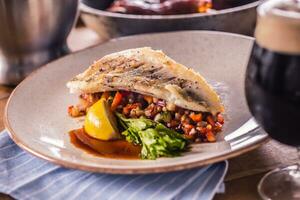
{"x":24,"y":176}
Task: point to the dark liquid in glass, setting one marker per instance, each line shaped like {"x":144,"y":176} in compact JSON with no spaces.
{"x":273,"y":93}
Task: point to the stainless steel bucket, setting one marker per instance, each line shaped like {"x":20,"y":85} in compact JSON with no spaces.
{"x":32,"y":33}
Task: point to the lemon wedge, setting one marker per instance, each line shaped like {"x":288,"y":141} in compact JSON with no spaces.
{"x":100,"y":123}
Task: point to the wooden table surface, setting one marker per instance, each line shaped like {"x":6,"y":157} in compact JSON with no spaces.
{"x":244,"y":171}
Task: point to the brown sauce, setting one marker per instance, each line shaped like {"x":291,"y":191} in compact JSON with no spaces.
{"x":118,"y":149}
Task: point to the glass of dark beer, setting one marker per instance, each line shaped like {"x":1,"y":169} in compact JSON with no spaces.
{"x":273,"y":88}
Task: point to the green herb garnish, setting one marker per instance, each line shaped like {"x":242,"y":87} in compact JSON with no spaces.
{"x":156,"y":139}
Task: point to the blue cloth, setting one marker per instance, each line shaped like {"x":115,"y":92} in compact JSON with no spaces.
{"x":24,"y":176}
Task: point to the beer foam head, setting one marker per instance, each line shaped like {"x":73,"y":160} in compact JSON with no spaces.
{"x":278,"y":26}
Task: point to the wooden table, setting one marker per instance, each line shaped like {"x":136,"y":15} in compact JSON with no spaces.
{"x":244,"y":171}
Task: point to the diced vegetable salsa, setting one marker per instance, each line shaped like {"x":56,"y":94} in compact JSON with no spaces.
{"x":192,"y":125}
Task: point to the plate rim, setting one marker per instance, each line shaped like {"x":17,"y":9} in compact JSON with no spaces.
{"x":129,"y":170}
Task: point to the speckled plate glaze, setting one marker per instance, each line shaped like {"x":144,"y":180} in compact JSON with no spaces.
{"x":37,"y":120}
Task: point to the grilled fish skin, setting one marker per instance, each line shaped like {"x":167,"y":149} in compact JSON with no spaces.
{"x":149,"y":72}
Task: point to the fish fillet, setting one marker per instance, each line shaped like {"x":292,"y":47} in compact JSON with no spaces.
{"x":149,"y":72}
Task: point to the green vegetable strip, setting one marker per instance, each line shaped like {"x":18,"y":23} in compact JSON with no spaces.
{"x":156,"y":139}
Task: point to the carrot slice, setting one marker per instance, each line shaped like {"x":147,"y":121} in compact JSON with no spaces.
{"x":149,"y":99}
{"x":196,"y":117}
{"x":210,"y":136}
{"x":210,"y":120}
{"x":129,"y":107}
{"x":116,"y":101}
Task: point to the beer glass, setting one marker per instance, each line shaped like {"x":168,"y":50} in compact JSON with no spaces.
{"x":273,"y":88}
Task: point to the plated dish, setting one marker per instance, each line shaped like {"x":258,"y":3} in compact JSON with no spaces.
{"x":164,"y":7}
{"x":147,"y":99}
{"x":160,"y":7}
{"x":41,"y":124}
{"x":223,"y":16}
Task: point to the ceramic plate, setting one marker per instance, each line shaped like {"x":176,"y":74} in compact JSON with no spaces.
{"x":37,"y":120}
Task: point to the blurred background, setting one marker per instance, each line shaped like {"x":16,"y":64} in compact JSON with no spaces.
{"x":36,"y":30}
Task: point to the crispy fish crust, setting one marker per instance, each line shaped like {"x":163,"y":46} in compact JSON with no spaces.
{"x":149,"y":72}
